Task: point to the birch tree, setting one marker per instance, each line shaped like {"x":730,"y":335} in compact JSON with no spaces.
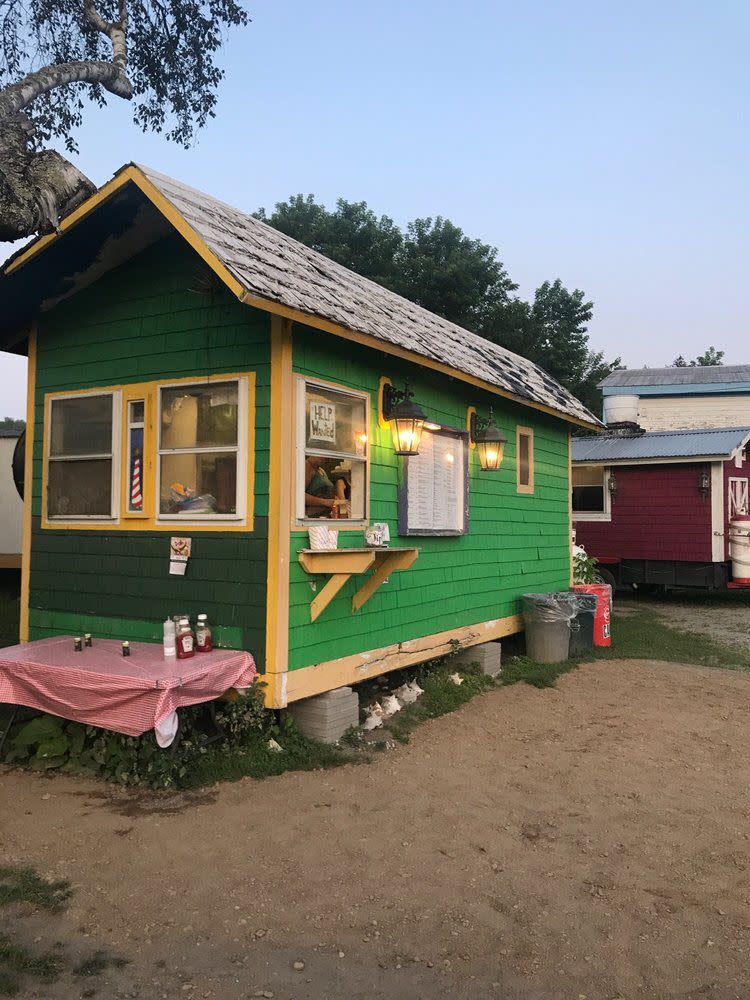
{"x":57,"y":55}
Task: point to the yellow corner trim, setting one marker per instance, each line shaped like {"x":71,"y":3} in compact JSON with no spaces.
{"x":279,"y":503}
{"x":28,"y":491}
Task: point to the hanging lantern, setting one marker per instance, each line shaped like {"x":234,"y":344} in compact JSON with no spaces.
{"x":704,"y":484}
{"x":405,"y":417}
{"x":489,"y":441}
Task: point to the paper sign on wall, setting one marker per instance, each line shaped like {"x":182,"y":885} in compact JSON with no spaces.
{"x":323,"y":422}
{"x":179,"y":553}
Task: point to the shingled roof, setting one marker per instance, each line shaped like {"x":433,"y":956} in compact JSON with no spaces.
{"x":272,"y":267}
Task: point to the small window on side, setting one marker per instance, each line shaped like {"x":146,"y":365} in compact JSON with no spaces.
{"x":525,"y":459}
{"x":136,"y":427}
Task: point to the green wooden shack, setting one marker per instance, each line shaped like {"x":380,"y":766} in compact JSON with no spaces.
{"x":199,"y":382}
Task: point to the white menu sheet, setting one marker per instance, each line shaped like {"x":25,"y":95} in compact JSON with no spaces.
{"x":435,"y":485}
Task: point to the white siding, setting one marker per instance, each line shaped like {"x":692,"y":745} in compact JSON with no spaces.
{"x":665,"y":413}
{"x":11,"y":508}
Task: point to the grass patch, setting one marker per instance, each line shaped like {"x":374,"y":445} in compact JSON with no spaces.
{"x":644,"y":636}
{"x":24,"y":885}
{"x":522,"y":670}
{"x":98,"y":963}
{"x":441,"y":696}
{"x":18,"y":963}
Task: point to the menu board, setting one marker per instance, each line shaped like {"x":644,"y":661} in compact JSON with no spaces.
{"x":434,"y":498}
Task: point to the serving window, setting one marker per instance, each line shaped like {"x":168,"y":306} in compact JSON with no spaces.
{"x":82,"y":434}
{"x":151,"y":455}
{"x":332,"y":453}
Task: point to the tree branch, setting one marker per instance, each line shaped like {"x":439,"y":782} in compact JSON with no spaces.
{"x":108,"y":74}
{"x":115,"y":31}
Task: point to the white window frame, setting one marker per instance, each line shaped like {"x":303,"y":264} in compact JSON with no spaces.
{"x":191,"y":517}
{"x":115,"y":396}
{"x":594,"y":515}
{"x":738,"y":485}
{"x":300,"y":449}
{"x":135,"y":425}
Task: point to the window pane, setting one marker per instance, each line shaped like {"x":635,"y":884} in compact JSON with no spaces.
{"x":524,"y":466}
{"x":588,"y":475}
{"x":135,"y":473}
{"x":333,"y":484}
{"x":588,"y":498}
{"x":334,"y":421}
{"x":199,"y":484}
{"x":136,"y":412}
{"x":80,"y":488}
{"x":199,"y":416}
{"x":81,"y":426}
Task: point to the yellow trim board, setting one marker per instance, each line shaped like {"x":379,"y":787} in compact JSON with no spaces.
{"x":524,"y":488}
{"x":279,"y":504}
{"x":28,"y":490}
{"x":134,"y":175}
{"x":309,"y":681}
{"x":149,"y":520}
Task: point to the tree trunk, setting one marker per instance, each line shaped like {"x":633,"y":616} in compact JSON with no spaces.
{"x":38,"y":187}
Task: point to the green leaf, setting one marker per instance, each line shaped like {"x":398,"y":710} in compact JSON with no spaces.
{"x":39,"y":730}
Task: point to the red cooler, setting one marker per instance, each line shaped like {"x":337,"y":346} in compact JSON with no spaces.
{"x":602,"y":623}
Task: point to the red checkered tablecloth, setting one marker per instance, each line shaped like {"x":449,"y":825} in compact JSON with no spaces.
{"x":128,"y":694}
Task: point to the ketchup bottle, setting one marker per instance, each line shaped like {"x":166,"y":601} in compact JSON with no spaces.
{"x":185,"y":641}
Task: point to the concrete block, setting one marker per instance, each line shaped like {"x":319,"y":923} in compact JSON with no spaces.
{"x":326,"y":717}
{"x":487,"y":655}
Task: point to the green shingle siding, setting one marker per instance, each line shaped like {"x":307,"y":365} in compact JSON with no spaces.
{"x":516,"y":543}
{"x":156,"y":317}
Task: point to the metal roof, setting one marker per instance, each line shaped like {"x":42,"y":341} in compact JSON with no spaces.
{"x":700,"y":375}
{"x":712,"y":442}
{"x":267,"y":266}
{"x":7,"y":432}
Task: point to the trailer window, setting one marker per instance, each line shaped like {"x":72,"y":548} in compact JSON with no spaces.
{"x":332,"y":453}
{"x":590,"y":493}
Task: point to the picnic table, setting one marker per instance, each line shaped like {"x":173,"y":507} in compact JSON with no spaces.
{"x":98,"y":686}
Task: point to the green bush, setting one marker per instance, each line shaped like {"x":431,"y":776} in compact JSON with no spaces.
{"x":48,"y":742}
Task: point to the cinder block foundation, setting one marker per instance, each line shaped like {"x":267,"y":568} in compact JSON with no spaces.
{"x":487,"y":655}
{"x":326,"y":717}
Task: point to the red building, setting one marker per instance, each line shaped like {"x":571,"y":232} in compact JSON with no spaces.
{"x":654,"y":507}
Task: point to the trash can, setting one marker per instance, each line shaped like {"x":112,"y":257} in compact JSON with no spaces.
{"x":602,"y":624}
{"x":582,"y":626}
{"x":547,"y":618}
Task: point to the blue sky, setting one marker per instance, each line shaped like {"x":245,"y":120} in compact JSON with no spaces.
{"x":605,"y":145}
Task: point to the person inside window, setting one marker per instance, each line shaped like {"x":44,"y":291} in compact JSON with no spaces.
{"x":341,"y":476}
{"x":320,"y":492}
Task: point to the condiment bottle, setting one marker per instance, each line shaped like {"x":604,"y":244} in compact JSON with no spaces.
{"x":185,"y":641}
{"x":170,"y":638}
{"x":203,"y":638}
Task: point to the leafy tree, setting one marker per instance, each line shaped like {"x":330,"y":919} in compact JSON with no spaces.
{"x":13,"y":424}
{"x":57,"y":54}
{"x":709,"y":357}
{"x":435,"y":264}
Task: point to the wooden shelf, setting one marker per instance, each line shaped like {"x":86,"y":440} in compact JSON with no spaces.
{"x":341,"y":564}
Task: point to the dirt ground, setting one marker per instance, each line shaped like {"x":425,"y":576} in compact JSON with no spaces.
{"x":587,"y":841}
